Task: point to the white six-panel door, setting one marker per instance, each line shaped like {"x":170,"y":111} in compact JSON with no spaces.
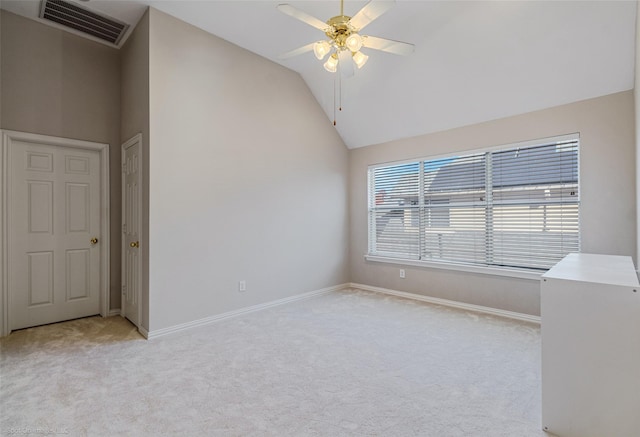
{"x":131,"y":229}
{"x":54,"y":220}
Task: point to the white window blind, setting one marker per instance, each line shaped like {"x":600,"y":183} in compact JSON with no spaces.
{"x":517,"y":207}
{"x":395,"y":210}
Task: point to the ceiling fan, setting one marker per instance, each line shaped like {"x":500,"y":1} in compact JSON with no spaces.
{"x":345,"y":40}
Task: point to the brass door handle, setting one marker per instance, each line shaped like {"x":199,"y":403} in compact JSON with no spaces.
{"x":94,"y":240}
{"x":134,"y":244}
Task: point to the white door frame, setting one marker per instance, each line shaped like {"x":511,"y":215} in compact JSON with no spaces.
{"x":135,"y":139}
{"x":8,"y":137}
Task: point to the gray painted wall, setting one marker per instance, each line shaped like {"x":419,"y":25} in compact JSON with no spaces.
{"x":608,"y":212}
{"x":248,"y":180}
{"x":59,"y":84}
{"x":0,"y":64}
{"x":636,"y":95}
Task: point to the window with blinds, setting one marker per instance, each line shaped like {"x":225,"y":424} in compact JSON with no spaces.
{"x":517,"y":207}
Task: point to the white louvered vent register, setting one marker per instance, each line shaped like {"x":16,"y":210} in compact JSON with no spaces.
{"x":81,"y":19}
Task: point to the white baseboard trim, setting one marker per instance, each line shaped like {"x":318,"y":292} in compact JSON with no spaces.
{"x":451,"y":303}
{"x":115,"y":312}
{"x":235,"y":313}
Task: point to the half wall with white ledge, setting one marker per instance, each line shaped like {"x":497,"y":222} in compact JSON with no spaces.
{"x":590,"y":309}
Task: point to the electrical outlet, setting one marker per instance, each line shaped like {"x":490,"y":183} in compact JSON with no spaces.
{"x":242,"y":285}
{"x":402,"y":273}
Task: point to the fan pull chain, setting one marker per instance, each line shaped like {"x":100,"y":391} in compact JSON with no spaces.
{"x":334,"y":100}
{"x":340,"y":93}
{"x":337,"y":90}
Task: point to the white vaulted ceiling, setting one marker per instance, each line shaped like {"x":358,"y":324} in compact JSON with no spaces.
{"x":474,"y":61}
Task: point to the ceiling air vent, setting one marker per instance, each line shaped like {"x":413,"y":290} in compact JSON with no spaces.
{"x":74,"y":16}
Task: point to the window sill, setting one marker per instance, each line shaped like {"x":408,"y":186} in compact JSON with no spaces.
{"x":493,"y":271}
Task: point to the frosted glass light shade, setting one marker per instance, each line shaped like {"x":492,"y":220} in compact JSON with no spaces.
{"x":321,"y":49}
{"x":332,"y":64}
{"x":353,"y":42}
{"x":360,"y":59}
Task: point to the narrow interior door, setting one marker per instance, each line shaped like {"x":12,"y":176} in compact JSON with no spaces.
{"x":131,"y":226}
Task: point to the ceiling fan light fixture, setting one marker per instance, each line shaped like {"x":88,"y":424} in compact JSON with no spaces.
{"x":332,"y":64}
{"x":321,"y":49}
{"x":353,"y":42}
{"x":360,"y":59}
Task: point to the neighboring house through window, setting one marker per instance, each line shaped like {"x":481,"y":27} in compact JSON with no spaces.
{"x":513,"y":207}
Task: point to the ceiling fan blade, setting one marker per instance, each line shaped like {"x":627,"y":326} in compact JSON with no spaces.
{"x":296,"y":52}
{"x":345,"y":63}
{"x":370,"y":12}
{"x":388,"y":45}
{"x":302,"y":16}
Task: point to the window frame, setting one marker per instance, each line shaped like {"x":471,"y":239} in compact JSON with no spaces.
{"x":517,"y":272}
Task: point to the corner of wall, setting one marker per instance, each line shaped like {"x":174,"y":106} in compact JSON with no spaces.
{"x":1,"y":125}
{"x":636,"y":95}
{"x":2,"y":275}
{"x":135,"y":104}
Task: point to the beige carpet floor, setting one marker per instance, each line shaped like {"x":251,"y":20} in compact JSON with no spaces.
{"x":349,"y":363}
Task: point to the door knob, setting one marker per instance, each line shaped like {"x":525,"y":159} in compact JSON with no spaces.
{"x":94,"y":240}
{"x":134,"y":244}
